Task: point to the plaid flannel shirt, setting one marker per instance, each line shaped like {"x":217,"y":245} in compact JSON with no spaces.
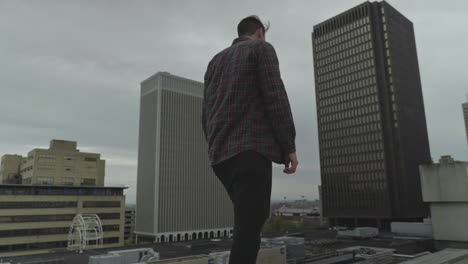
{"x":245,"y":105}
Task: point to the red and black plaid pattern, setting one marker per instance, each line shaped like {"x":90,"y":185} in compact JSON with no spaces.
{"x":245,"y":105}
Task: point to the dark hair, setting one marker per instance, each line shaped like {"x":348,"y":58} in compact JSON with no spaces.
{"x":249,"y":25}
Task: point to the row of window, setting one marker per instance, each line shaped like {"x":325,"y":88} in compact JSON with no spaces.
{"x":369,"y":163}
{"x":56,"y":190}
{"x":45,"y":156}
{"x":326,"y":117}
{"x":50,"y":218}
{"x":27,"y":180}
{"x":45,"y":180}
{"x":365,"y":148}
{"x":326,"y":105}
{"x":32,"y":205}
{"x":365,"y":176}
{"x":345,"y":30}
{"x":353,"y":122}
{"x":101,"y":204}
{"x":371,"y":196}
{"x":361,"y":51}
{"x":341,"y":80}
{"x":366,"y":186}
{"x":373,"y":149}
{"x":52,"y":157}
{"x":53,"y":167}
{"x":346,"y":44}
{"x":350,"y":169}
{"x":341,"y":64}
{"x":342,"y":71}
{"x":359,"y":145}
{"x":344,"y":133}
{"x":331,"y":91}
{"x":351,"y":140}
{"x":336,"y":106}
{"x":26,"y":169}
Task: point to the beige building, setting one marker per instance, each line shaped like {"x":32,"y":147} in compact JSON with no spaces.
{"x":9,"y":168}
{"x":61,"y":164}
{"x":36,"y":219}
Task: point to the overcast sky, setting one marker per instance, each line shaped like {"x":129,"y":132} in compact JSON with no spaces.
{"x":72,"y":70}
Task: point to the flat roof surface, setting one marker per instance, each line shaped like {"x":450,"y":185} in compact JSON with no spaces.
{"x":313,"y":239}
{"x":446,"y":256}
{"x":166,"y":251}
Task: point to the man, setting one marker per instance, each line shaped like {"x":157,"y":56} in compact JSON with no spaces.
{"x":248,"y":124}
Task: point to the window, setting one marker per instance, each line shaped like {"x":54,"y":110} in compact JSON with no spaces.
{"x":88,"y":182}
{"x":30,"y":205}
{"x":44,"y":156}
{"x":101,"y":204}
{"x":89,"y":159}
{"x":67,"y":181}
{"x":68,"y":158}
{"x":45,"y":180}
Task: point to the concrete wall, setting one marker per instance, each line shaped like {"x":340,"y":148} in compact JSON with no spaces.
{"x":445,"y":186}
{"x":450,"y":221}
{"x":445,"y":182}
{"x":423,"y":229}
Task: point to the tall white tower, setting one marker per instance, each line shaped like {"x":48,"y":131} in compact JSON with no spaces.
{"x":178,"y":196}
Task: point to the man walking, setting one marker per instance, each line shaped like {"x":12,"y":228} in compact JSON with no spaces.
{"x":248,"y":125}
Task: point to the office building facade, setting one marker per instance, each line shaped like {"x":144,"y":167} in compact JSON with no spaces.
{"x":371,"y":120}
{"x":178,"y":195}
{"x":36,"y":219}
{"x":61,"y":164}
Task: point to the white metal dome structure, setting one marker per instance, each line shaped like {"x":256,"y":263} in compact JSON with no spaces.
{"x":85,"y":232}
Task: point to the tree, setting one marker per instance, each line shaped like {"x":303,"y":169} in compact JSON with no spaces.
{"x":278,"y":224}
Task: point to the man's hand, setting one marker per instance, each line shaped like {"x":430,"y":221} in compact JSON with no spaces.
{"x":290,"y":164}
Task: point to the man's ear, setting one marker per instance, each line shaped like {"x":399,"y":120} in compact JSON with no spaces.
{"x":259,"y":33}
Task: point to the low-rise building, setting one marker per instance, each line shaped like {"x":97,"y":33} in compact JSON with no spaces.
{"x":61,"y":164}
{"x":36,"y":219}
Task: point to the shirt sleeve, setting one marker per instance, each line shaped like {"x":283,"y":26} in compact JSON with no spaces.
{"x":275,"y":97}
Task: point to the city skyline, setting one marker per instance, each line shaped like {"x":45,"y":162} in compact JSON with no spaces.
{"x":78,"y":79}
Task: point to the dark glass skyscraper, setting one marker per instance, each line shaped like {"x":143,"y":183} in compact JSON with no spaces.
{"x":371,"y":121}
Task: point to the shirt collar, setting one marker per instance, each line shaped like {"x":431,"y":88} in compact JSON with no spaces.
{"x":240,"y":39}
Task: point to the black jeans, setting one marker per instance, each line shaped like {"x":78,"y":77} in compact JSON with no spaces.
{"x":247,"y":179}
